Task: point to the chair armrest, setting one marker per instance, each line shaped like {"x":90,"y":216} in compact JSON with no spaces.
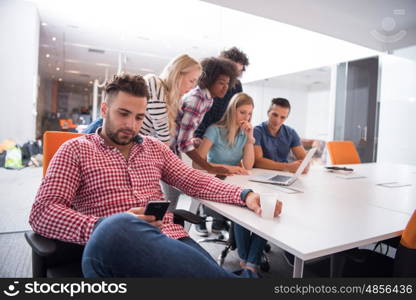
{"x":181,"y":215}
{"x":40,"y":245}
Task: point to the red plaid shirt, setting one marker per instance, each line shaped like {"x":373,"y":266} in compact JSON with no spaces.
{"x":88,"y":179}
{"x":195,"y":105}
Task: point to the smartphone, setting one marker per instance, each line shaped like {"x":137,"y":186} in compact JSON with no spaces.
{"x":157,"y":209}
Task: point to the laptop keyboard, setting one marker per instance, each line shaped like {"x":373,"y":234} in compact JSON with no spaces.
{"x":280,"y":178}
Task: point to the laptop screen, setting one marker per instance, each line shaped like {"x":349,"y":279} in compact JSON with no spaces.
{"x":305,"y":162}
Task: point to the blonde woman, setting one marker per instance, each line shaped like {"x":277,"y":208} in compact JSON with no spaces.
{"x":230,"y":144}
{"x":179,"y":77}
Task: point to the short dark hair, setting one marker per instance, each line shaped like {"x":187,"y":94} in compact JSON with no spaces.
{"x":236,"y":55}
{"x":131,"y":84}
{"x":214,"y":67}
{"x":280,"y":102}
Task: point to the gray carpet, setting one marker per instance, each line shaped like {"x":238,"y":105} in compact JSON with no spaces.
{"x":15,"y":256}
{"x":17,"y":193}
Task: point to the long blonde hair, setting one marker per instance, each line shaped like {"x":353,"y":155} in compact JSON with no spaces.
{"x":229,"y":121}
{"x":171,"y":77}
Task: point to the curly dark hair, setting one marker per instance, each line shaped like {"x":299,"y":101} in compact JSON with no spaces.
{"x":236,"y":55}
{"x":214,"y":67}
{"x":132,"y":84}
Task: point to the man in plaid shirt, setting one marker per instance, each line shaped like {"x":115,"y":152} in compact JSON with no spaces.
{"x":97,"y":186}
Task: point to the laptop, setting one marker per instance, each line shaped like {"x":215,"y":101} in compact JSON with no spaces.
{"x":283,"y":179}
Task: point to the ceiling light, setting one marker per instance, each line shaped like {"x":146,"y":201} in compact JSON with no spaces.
{"x":146,"y":70}
{"x":102,"y":65}
{"x":145,"y":38}
{"x":73,"y":72}
{"x":59,"y":79}
{"x":44,"y":24}
{"x":90,"y":82}
{"x":47,"y":55}
{"x":53,"y":38}
{"x":58,"y":68}
{"x":94,"y":50}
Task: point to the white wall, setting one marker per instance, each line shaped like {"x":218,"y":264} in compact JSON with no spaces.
{"x":262,"y":96}
{"x":310,"y":106}
{"x":318,"y":114}
{"x":397,"y":142}
{"x":19,"y":36}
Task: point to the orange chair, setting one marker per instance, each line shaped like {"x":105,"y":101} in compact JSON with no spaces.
{"x":52,"y":140}
{"x":67,"y":124}
{"x":343,"y":153}
{"x":405,"y":261}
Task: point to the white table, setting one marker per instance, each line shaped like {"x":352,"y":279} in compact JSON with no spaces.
{"x":331,"y":214}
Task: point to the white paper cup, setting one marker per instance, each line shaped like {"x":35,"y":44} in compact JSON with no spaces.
{"x":268,"y":205}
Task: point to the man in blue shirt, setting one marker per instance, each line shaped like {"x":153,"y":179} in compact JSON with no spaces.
{"x":274,"y":140}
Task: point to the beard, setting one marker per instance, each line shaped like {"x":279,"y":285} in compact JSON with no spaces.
{"x":116,"y":135}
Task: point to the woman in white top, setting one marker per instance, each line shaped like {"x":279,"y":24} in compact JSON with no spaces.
{"x":178,"y":77}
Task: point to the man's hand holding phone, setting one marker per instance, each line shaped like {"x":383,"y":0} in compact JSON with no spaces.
{"x":152,"y":213}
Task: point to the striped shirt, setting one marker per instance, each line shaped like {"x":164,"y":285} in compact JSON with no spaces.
{"x":87,"y":180}
{"x":156,"y":121}
{"x":195,"y":105}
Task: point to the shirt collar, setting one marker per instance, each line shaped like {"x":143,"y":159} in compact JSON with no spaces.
{"x":206,"y":93}
{"x":266,"y":128}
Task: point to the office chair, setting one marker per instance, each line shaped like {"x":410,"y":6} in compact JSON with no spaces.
{"x":52,"y":140}
{"x":343,"y":152}
{"x":405,"y":260}
{"x":230,"y":245}
{"x":369,"y":263}
{"x":53,"y":258}
{"x":375,"y":264}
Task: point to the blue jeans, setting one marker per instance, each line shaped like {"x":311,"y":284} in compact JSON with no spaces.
{"x":249,"y":246}
{"x":123,"y":245}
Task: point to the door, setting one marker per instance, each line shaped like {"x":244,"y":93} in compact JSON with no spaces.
{"x":356,"y":116}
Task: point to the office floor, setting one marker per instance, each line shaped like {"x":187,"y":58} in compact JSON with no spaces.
{"x":17,"y":191}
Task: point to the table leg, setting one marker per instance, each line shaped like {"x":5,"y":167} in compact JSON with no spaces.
{"x":337,"y":264}
{"x":298,"y":268}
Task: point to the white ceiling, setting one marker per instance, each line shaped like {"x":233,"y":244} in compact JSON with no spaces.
{"x":309,"y":78}
{"x":150,"y":33}
{"x":147,"y":39}
{"x":369,"y":23}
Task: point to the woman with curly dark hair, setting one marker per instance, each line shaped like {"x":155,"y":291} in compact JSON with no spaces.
{"x":218,"y":74}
